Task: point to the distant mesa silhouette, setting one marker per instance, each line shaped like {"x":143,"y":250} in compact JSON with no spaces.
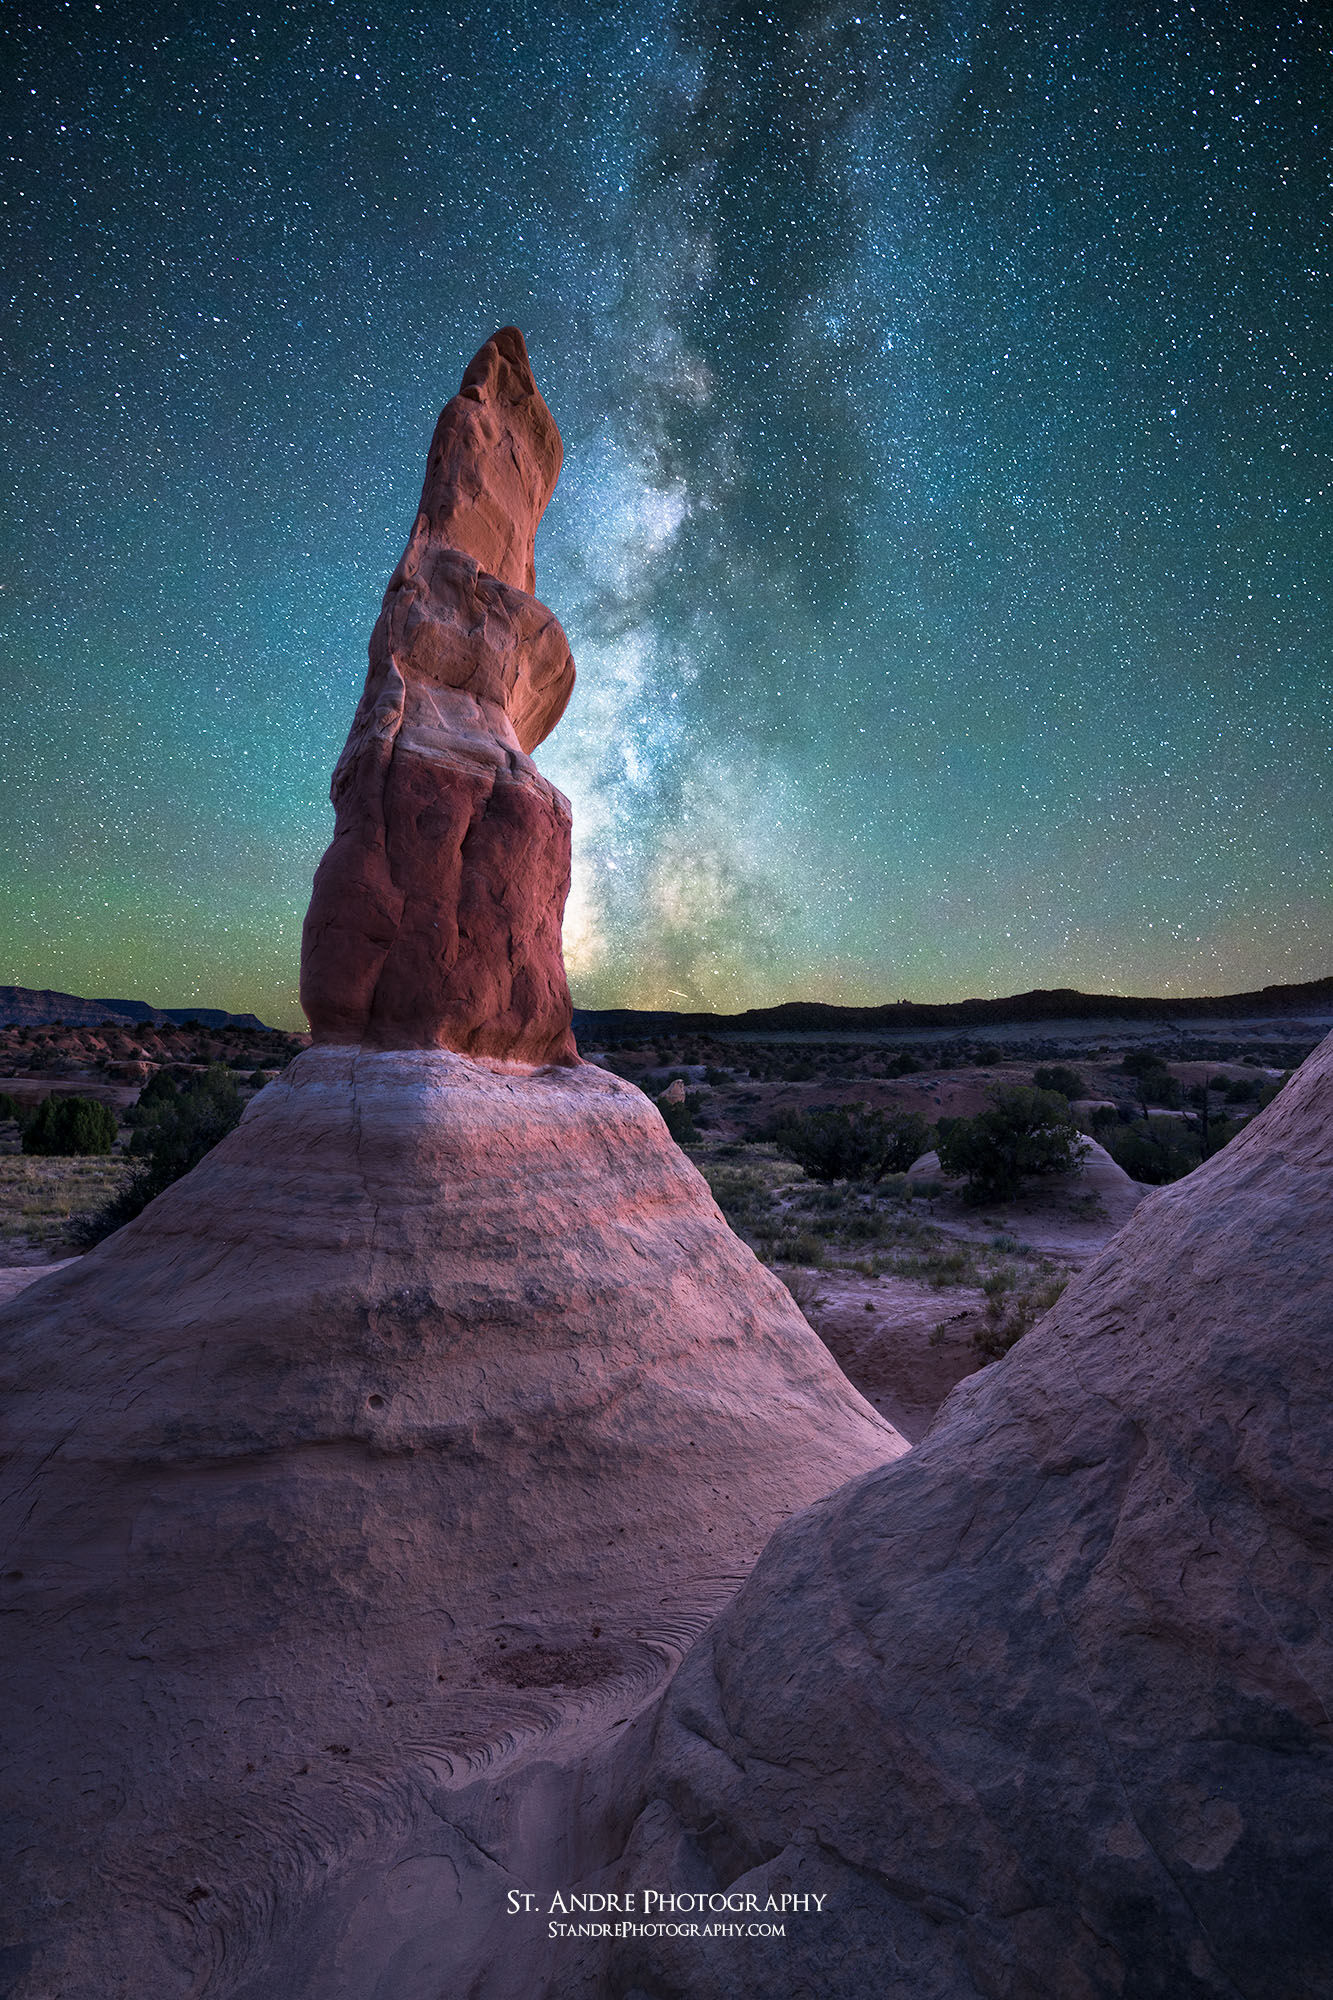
{"x":30,"y":1007}
{"x":1066,"y":1003}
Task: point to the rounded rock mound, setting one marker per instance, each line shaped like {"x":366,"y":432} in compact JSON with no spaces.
{"x":1043,"y":1708}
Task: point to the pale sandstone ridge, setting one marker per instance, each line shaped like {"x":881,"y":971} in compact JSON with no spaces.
{"x":435,"y":917}
{"x":1043,"y":1708}
{"x":398,"y":1453}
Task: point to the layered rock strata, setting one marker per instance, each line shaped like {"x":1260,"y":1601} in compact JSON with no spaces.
{"x":435,"y":918}
{"x":1043,"y":1708}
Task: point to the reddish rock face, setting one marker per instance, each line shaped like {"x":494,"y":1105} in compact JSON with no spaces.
{"x":435,"y":917}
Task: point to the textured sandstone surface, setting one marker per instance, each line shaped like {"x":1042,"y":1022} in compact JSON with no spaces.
{"x":435,"y":917}
{"x":1043,"y":1707}
{"x":1118,"y":1196}
{"x":431,"y":1417}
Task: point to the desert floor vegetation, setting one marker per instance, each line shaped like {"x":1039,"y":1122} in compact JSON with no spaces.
{"x":804,"y":1142}
{"x":871,"y":1230}
{"x":41,"y":1200}
{"x":95,"y":1121}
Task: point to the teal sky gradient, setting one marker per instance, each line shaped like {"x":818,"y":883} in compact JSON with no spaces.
{"x":943,"y":537}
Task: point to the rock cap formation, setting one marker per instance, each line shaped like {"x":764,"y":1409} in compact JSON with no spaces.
{"x":436,"y":912}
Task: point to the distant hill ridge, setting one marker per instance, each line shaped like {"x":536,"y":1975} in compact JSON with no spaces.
{"x":30,"y":1007}
{"x":26,"y":1006}
{"x":1060,"y":1003}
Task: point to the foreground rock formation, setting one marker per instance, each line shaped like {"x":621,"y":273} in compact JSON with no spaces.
{"x":389,"y":1461}
{"x":1043,"y":1708}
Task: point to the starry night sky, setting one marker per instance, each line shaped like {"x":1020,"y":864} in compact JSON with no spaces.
{"x":943,"y":533}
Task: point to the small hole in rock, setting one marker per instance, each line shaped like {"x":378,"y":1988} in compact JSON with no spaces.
{"x":376,"y":1402}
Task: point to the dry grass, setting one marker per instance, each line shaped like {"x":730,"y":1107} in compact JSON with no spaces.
{"x":1015,"y":1301}
{"x":807,"y":1290}
{"x":878,"y":1231}
{"x":38,"y":1197}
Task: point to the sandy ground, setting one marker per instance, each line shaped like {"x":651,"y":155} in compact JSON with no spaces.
{"x":15,"y":1278}
{"x":879,"y":1330}
{"x":905,"y":1344}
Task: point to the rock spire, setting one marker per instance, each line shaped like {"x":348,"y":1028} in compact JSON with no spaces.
{"x":435,"y":917}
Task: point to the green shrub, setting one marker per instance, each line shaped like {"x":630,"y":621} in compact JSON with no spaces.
{"x":1155,"y":1081}
{"x":9,"y":1107}
{"x":180,"y":1123}
{"x":806,"y":1289}
{"x":1153,"y":1154}
{"x":863,"y":1227}
{"x":938,"y":1268}
{"x":803,"y":1249}
{"x":1013,"y":1306}
{"x":1024,"y":1132}
{"x":1166,"y":1149}
{"x":741,"y":1194}
{"x":70,"y":1128}
{"x":177,"y":1126}
{"x":1060,"y":1078}
{"x":847,"y":1142}
{"x":161,"y":1088}
{"x":679,"y":1118}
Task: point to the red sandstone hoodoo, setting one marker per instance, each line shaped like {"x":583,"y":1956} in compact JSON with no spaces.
{"x":399,"y":1450}
{"x":359,"y":1499}
{"x":435,"y":919}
